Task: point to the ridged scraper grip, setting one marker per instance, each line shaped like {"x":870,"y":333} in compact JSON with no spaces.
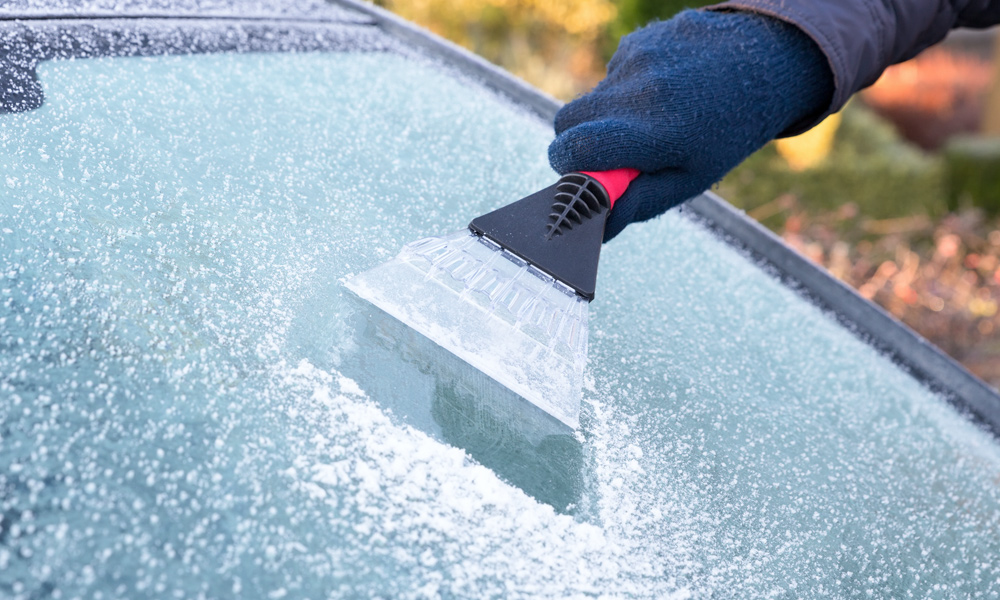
{"x":578,"y":197}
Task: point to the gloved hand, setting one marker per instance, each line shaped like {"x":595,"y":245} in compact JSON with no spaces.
{"x":688,"y":99}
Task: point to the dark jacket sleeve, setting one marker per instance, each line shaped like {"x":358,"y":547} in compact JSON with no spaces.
{"x":861,"y":38}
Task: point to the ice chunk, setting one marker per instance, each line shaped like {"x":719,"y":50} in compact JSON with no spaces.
{"x":491,"y":310}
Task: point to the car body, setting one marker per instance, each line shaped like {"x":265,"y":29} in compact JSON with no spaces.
{"x":192,"y":405}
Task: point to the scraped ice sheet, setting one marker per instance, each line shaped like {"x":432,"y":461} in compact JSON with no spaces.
{"x":464,"y":408}
{"x":500,"y":316}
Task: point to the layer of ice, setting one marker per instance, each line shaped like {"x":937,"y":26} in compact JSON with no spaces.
{"x":308,"y":9}
{"x":187,"y":408}
{"x":499,"y":315}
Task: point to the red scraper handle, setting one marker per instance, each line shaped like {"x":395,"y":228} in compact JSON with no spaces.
{"x":615,"y":181}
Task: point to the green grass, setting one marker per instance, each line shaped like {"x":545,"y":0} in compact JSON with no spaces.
{"x":973,"y":173}
{"x":869,"y":166}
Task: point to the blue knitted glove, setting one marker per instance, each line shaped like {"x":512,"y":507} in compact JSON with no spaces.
{"x":688,"y":99}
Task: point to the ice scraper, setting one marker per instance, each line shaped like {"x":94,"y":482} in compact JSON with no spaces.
{"x":510,"y":294}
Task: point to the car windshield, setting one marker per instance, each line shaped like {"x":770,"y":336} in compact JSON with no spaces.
{"x":193,"y":404}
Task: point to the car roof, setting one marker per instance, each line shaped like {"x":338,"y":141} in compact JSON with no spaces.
{"x":685,"y":417}
{"x":242,"y":9}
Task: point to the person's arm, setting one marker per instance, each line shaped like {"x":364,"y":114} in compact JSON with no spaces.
{"x":860,"y":38}
{"x":687,"y":99}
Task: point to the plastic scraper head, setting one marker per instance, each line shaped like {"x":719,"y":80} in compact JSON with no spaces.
{"x":510,"y":295}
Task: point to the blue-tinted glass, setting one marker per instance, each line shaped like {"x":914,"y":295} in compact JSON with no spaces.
{"x":192,"y":403}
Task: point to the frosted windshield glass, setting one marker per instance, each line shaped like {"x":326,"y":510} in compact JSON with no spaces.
{"x":192,"y":403}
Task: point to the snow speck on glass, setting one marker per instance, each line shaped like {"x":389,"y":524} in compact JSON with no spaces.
{"x":191,"y":404}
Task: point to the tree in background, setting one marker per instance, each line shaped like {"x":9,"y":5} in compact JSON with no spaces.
{"x":552,"y":44}
{"x":560,"y":46}
{"x":636,"y":13}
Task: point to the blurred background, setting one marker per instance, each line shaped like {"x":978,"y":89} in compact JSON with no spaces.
{"x":898,"y":195}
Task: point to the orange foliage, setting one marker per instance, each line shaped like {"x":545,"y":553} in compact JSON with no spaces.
{"x":933,"y":96}
{"x":942,"y":280}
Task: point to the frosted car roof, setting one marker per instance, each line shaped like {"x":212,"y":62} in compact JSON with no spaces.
{"x":313,"y":10}
{"x":193,"y":405}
